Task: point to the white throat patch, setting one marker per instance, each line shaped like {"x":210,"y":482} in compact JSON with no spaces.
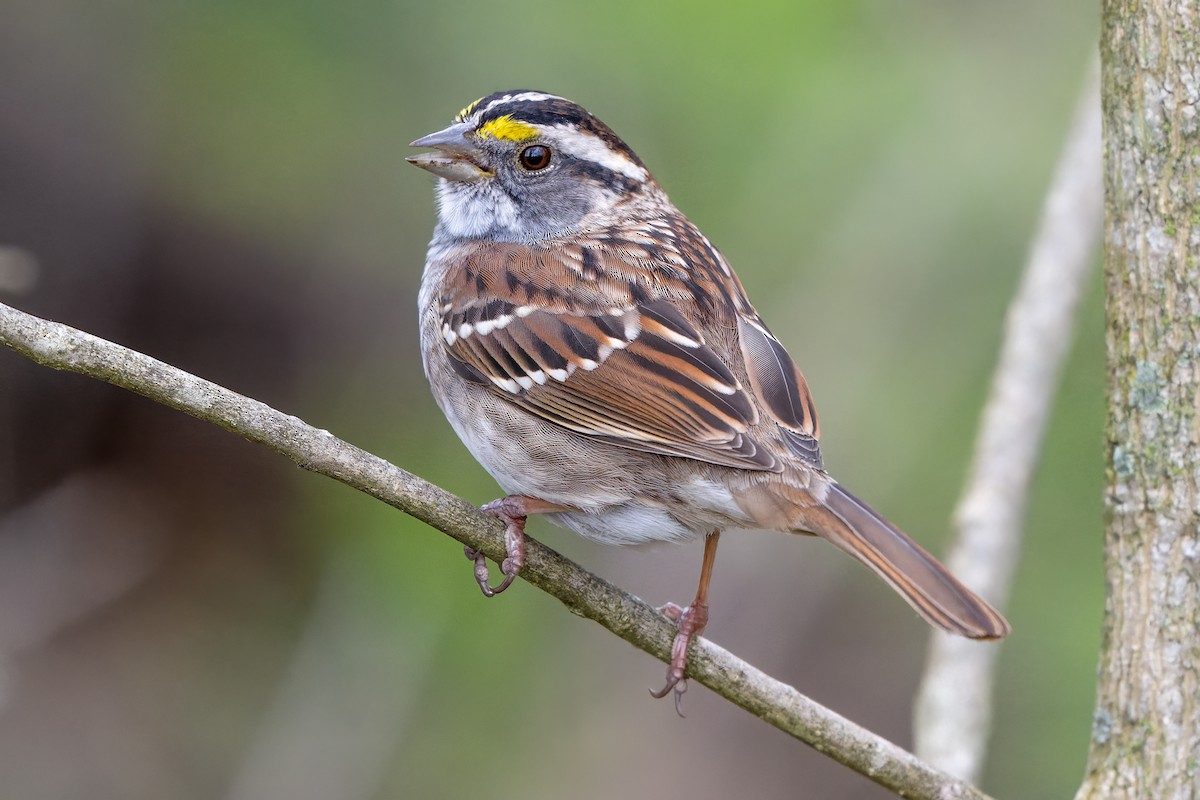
{"x":472,"y":210}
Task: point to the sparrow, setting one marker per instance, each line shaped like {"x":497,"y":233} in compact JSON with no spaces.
{"x":600,"y":358}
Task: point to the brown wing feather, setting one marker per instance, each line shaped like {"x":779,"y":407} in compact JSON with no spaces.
{"x":588,"y":343}
{"x":781,"y":388}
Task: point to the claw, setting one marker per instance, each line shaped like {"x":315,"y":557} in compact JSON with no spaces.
{"x":680,"y":688}
{"x":481,"y":572}
{"x":671,"y":612}
{"x":513,"y":510}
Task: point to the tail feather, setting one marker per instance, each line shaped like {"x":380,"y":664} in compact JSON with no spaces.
{"x":859,"y":530}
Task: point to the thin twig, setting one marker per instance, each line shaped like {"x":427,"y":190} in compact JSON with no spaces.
{"x":954,"y":705}
{"x":61,"y":347}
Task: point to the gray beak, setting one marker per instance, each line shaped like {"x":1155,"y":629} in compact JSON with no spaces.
{"x":455,"y":157}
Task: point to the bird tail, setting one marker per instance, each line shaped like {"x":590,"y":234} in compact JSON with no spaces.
{"x":856,"y":528}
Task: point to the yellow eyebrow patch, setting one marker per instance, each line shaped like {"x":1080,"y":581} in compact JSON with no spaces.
{"x":507,"y":128}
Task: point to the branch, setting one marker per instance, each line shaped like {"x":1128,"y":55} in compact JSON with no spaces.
{"x":61,"y":347}
{"x":953,"y":710}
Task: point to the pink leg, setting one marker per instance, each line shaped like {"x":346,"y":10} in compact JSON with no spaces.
{"x":691,"y":621}
{"x":514,"y":510}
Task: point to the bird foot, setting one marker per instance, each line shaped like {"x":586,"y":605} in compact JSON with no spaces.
{"x":691,"y":621}
{"x":513,"y":511}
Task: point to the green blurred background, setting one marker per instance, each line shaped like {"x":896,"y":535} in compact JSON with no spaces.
{"x":221,"y":184}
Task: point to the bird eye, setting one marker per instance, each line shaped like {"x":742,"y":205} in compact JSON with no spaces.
{"x":535,"y":157}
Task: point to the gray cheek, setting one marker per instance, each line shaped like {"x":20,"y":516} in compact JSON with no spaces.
{"x":555,"y":205}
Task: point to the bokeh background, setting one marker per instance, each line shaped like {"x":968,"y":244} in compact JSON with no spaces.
{"x":221,"y":184}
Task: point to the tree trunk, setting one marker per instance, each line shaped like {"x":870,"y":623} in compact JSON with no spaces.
{"x":1146,"y":733}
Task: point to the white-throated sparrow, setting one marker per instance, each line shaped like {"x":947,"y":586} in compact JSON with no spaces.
{"x":599,"y":357}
